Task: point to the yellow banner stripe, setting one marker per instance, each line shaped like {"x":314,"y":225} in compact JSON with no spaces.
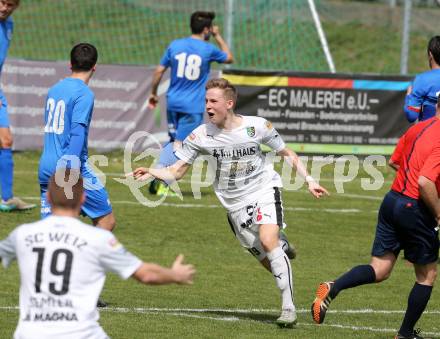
{"x":255,"y":80}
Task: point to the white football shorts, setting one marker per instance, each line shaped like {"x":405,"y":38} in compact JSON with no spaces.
{"x":245,"y":222}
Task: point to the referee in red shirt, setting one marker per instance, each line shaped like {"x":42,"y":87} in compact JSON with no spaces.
{"x":408,"y":220}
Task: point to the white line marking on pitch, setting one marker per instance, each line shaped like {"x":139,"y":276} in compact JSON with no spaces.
{"x":295,"y":209}
{"x":121,"y":175}
{"x":234,"y":310}
{"x":186,"y":312}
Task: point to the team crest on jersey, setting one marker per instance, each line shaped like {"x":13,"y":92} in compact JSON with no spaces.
{"x":268,"y":124}
{"x":250,"y":131}
{"x":192,"y":136}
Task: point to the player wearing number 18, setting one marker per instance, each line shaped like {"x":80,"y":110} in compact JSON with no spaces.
{"x":189,"y":61}
{"x":63,"y":263}
{"x":69,"y":108}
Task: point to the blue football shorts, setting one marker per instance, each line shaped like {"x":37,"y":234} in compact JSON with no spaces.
{"x":406,"y":224}
{"x":97,"y":203}
{"x":4,"y":119}
{"x":180,"y":125}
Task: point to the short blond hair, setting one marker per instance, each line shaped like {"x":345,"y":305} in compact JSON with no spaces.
{"x":230,"y":92}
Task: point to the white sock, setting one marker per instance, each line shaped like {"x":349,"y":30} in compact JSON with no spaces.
{"x":282,"y":272}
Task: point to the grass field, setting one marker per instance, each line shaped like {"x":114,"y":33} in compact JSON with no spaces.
{"x":233,"y":297}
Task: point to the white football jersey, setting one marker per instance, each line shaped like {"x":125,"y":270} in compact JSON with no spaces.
{"x":242,"y":170}
{"x":62,"y":264}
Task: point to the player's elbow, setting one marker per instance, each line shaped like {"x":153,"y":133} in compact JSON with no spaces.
{"x":146,"y":274}
{"x":148,"y":278}
{"x":229,"y":59}
{"x":6,"y":140}
{"x":177,"y":175}
{"x":393,"y":165}
{"x":424,"y":183}
{"x":411,"y":116}
{"x":178,"y":170}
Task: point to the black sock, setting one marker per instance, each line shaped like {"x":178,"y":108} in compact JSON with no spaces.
{"x":359,"y":275}
{"x":417,"y":301}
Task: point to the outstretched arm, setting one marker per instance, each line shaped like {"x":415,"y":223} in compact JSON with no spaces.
{"x":294,"y":161}
{"x":171,"y":173}
{"x":153,"y":274}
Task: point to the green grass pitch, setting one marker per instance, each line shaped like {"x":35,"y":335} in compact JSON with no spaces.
{"x":232,"y":296}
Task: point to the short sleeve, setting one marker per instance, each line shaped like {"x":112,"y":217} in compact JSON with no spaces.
{"x":115,"y":258}
{"x":83,"y":108}
{"x":218,"y":55}
{"x":166,"y":60}
{"x":190,"y":149}
{"x":8,"y":248}
{"x":397,"y":155}
{"x":416,"y":97}
{"x":271,"y":137}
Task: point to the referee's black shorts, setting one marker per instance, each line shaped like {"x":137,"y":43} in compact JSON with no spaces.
{"x":406,"y":223}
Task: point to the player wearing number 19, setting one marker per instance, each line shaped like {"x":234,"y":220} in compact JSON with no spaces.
{"x":189,"y":61}
{"x":68,"y":112}
{"x":63,"y":263}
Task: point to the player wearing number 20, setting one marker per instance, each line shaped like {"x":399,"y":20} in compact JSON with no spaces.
{"x":68,"y":112}
{"x":189,"y":61}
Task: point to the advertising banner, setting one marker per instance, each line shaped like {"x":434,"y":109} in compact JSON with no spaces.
{"x":327,"y":113}
{"x":121,"y":108}
{"x":314,"y":112}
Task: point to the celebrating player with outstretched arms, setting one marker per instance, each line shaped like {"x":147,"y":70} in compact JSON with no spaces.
{"x":245,"y":183}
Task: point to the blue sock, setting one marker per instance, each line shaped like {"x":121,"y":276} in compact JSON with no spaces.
{"x":417,"y":301}
{"x":167,"y":157}
{"x":6,"y":172}
{"x":359,"y":275}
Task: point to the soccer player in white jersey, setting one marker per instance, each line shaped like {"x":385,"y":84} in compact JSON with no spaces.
{"x":246,"y":184}
{"x":63,"y":263}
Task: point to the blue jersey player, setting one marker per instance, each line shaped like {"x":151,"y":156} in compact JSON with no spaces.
{"x":8,"y":202}
{"x":422,"y":96}
{"x":68,"y":112}
{"x":189,"y":61}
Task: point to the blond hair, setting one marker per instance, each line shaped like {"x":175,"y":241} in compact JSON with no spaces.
{"x":229,"y":91}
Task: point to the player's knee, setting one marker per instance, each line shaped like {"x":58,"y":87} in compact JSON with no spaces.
{"x":427,"y":278}
{"x":431,"y":278}
{"x":382,"y":273}
{"x":268,"y":241}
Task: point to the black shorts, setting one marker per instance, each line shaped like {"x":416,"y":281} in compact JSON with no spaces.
{"x":406,"y":223}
